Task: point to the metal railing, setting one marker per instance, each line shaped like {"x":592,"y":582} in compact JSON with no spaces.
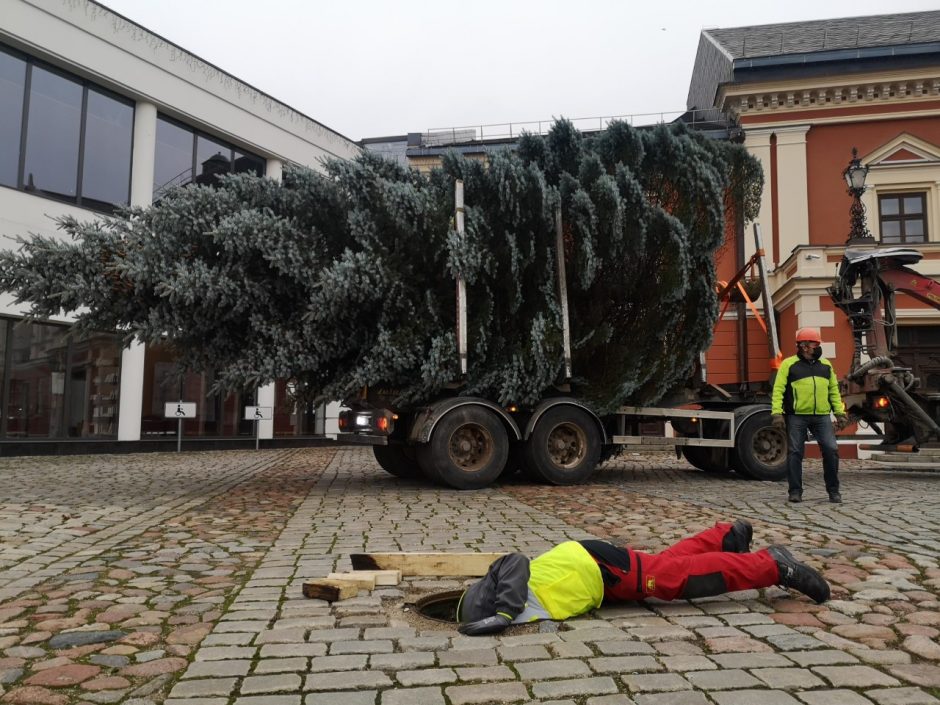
{"x":513,"y":130}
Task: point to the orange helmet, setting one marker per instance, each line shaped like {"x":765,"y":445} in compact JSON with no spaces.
{"x":808,"y":335}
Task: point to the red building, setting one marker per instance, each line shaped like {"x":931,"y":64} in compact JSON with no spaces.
{"x":805,"y":94}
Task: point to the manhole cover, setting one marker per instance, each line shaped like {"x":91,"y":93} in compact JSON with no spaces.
{"x":439,"y":606}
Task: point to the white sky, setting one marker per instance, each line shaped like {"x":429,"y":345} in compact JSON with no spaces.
{"x":369,"y":68}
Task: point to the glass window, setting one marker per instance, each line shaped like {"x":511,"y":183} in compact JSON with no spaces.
{"x":163,"y":383}
{"x":12,"y":85}
{"x":109,"y":136}
{"x":37,"y":381}
{"x":52,"y":134}
{"x":292,"y":417}
{"x":891,"y":231}
{"x":902,"y":217}
{"x":890,"y":206}
{"x":173,"y":161}
{"x":94,"y":384}
{"x":249,"y":163}
{"x":212,"y":160}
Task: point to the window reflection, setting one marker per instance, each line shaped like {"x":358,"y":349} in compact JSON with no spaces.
{"x":173,"y":161}
{"x":12,"y":86}
{"x":52,"y":134}
{"x":184,"y":157}
{"x":94,"y":385}
{"x":215,"y":415}
{"x":106,"y":167}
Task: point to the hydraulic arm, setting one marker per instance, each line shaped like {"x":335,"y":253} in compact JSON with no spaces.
{"x":876,"y":389}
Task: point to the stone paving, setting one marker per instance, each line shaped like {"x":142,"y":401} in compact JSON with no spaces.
{"x":176,"y":579}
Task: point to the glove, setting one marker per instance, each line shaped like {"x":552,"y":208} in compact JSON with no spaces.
{"x":778,"y":421}
{"x":841,"y":422}
{"x":490,"y":625}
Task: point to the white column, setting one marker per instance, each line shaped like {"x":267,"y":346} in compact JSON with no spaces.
{"x":266,"y":396}
{"x":792,"y":188}
{"x":132,"y":359}
{"x":757,"y":142}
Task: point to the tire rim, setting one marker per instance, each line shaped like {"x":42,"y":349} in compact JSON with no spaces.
{"x":471,"y":447}
{"x":770,"y":446}
{"x":567,"y":445}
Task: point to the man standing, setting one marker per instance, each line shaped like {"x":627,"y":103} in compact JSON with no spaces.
{"x":806,"y":390}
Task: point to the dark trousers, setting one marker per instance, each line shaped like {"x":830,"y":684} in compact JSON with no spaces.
{"x":825,"y":435}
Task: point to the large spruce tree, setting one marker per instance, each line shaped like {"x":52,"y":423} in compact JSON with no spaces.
{"x":345,"y":278}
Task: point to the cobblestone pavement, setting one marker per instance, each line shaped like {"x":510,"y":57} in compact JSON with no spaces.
{"x":176,"y":579}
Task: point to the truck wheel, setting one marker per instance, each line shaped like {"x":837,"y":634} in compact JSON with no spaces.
{"x":400,"y":461}
{"x":564,"y":447}
{"x":467,"y":450}
{"x":760,"y":450}
{"x":711,"y":460}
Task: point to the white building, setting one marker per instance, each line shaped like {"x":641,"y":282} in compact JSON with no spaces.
{"x":96,"y":111}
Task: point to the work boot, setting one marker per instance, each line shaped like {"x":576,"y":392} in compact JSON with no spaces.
{"x":738,"y":538}
{"x":835,"y":498}
{"x":799,"y":576}
{"x":795,"y":496}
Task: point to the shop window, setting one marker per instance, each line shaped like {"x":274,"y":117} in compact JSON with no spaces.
{"x":164,"y":382}
{"x":94,"y":385}
{"x":56,"y":386}
{"x":62,"y":136}
{"x":295,"y":418}
{"x":903,"y":217}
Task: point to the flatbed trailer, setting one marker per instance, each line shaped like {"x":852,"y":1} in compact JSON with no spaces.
{"x":468,"y":442}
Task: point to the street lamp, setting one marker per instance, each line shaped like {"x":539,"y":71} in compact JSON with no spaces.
{"x":854,"y":176}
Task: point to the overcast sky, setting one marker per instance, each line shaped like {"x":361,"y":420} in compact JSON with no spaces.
{"x":369,"y":68}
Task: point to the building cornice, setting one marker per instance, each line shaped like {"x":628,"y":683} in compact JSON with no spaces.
{"x":781,"y":97}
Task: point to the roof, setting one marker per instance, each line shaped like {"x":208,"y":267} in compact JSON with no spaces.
{"x":800,"y":49}
{"x":824,"y":35}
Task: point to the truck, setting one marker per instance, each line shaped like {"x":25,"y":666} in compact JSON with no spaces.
{"x":467,"y":442}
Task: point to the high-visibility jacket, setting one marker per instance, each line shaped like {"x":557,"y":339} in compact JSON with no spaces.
{"x":561,"y":583}
{"x":806,"y":387}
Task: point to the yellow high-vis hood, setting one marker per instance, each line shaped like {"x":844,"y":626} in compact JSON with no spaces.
{"x":566,"y":580}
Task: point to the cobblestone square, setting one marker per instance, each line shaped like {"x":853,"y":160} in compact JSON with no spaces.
{"x":176,"y":579}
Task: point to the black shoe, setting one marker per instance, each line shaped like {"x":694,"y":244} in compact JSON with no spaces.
{"x":799,"y":576}
{"x":835,"y":498}
{"x":795,"y":496}
{"x":738,"y":538}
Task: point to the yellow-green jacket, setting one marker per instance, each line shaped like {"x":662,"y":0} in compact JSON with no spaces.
{"x":806,"y":387}
{"x":561,"y":583}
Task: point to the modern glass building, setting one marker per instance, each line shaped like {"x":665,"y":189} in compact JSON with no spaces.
{"x":98,"y":112}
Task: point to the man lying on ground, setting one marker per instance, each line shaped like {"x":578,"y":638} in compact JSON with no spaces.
{"x":578,"y":576}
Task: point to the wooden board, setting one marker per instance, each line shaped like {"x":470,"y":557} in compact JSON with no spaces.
{"x":330,"y":590}
{"x":366,"y":581}
{"x":468,"y":565}
{"x":383,"y":578}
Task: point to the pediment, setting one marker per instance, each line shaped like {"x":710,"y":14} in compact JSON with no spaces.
{"x":904,"y":149}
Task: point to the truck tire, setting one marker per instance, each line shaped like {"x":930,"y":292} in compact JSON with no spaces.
{"x":467,"y":450}
{"x":760,"y":450}
{"x":398,"y":460}
{"x":564,"y":448}
{"x":711,"y":460}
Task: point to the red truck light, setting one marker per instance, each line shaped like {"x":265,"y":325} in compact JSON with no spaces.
{"x":381,"y":423}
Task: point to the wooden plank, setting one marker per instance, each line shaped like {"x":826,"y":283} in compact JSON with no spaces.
{"x":363,"y":580}
{"x":470,"y":565}
{"x":383,"y":578}
{"x":330,"y":590}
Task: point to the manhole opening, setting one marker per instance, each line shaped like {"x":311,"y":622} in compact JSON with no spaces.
{"x":439,"y":606}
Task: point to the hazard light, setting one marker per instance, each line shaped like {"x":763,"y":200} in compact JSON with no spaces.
{"x":882,"y":402}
